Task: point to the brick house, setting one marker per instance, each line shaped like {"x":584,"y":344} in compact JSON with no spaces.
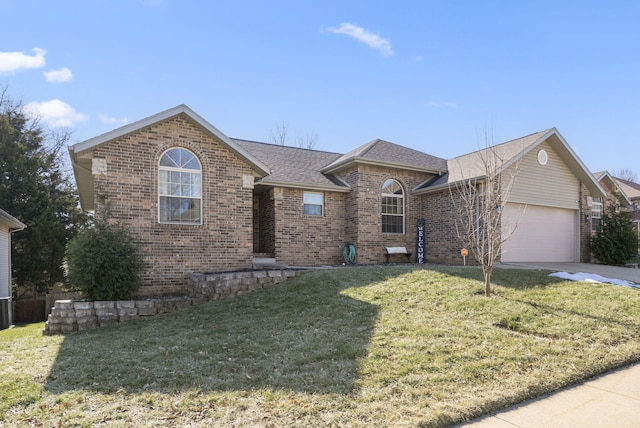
{"x":199,"y":201}
{"x":632,"y":191}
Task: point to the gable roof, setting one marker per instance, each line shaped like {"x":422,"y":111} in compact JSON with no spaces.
{"x":471,"y":166}
{"x":82,"y":153}
{"x":294,"y":167}
{"x":618,"y":192}
{"x":631,"y":189}
{"x":383,"y":153}
{"x":10,"y":222}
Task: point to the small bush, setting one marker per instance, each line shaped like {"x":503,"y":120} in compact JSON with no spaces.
{"x":104,"y":263}
{"x":615,"y":243}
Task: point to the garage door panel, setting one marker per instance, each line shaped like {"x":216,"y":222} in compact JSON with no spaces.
{"x":542,"y":234}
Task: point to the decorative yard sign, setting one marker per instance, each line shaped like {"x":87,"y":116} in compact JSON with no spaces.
{"x":420,"y":241}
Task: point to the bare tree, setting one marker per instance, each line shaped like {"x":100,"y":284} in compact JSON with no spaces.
{"x":303,"y":140}
{"x":627,"y":174}
{"x":479,"y":198}
{"x":308,"y":140}
{"x":279,"y":134}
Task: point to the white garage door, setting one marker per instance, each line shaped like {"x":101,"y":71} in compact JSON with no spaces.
{"x":543,"y":234}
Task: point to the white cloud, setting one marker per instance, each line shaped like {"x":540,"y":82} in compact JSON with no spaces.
{"x":55,"y":113}
{"x":374,"y":41}
{"x":14,"y":61}
{"x":110,"y":120}
{"x":58,"y":76}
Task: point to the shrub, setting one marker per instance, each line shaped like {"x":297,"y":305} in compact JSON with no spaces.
{"x":104,"y":262}
{"x":616,"y":242}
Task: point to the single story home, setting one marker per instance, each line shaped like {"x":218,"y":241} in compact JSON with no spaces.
{"x":8,"y":225}
{"x":198,"y":200}
{"x":632,"y":190}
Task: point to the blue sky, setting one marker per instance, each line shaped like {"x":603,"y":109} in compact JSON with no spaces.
{"x":432,"y":75}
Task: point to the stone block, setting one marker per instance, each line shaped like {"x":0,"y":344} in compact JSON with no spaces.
{"x":69,"y":328}
{"x":106,"y":312}
{"x":103,"y":304}
{"x":63,"y":313}
{"x":87,"y":320}
{"x":85,"y":313}
{"x":63,"y":304}
{"x":68,"y":320}
{"x":54,"y":320}
{"x":275,"y":273}
{"x":52,"y":328}
{"x":82,"y":305}
{"x":125,"y":304}
{"x":144,"y":304}
{"x":130,"y":312}
{"x":111,"y":318}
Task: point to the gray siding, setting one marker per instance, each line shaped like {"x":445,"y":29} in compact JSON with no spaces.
{"x":551,"y":185}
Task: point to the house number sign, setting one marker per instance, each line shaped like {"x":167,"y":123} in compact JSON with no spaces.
{"x":420,"y":241}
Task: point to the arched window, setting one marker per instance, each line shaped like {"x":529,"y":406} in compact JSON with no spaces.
{"x":392,"y":207}
{"x":179,"y":187}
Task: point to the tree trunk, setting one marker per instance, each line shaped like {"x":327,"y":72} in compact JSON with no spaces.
{"x":487,"y":281}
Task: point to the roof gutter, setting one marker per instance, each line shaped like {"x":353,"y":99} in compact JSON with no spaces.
{"x":365,"y":161}
{"x":317,"y":187}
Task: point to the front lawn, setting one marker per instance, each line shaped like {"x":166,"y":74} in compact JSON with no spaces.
{"x":362,"y":346}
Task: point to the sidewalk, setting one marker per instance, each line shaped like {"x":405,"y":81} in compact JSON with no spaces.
{"x":610,"y":400}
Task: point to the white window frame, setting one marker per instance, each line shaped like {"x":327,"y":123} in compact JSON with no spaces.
{"x":307,"y":201}
{"x":400,"y":203}
{"x":181,"y":183}
{"x":597,"y":208}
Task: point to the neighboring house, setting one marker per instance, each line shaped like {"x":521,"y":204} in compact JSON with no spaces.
{"x":8,"y":225}
{"x":615,"y":196}
{"x":632,"y":190}
{"x":200,"y":201}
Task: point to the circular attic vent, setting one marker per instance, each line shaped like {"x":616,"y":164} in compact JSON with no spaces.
{"x":543,"y":158}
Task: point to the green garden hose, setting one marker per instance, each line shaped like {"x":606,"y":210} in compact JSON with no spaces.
{"x":349,"y":253}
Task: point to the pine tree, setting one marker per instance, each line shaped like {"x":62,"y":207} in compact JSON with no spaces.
{"x":616,"y":242}
{"x":35,"y":190}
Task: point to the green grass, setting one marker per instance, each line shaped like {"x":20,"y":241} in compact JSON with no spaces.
{"x":364,"y":346}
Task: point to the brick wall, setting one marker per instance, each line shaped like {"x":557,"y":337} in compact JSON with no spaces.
{"x":363,"y":212}
{"x":222,"y":242}
{"x":306,"y":239}
{"x":441,"y":240}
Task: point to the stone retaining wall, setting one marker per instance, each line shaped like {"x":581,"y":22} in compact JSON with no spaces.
{"x":69,"y":316}
{"x":214,"y":286}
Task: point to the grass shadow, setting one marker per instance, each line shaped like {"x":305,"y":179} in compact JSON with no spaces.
{"x":304,"y":336}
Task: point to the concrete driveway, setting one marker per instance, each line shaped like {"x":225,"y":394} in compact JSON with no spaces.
{"x":612,"y":272}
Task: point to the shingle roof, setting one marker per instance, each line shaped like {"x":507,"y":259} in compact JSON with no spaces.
{"x":612,"y":182}
{"x":630,"y":188}
{"x":293,"y":165}
{"x":385,"y":153}
{"x":471,"y":165}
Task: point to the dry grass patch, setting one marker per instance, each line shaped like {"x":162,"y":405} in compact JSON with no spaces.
{"x":365,"y":346}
